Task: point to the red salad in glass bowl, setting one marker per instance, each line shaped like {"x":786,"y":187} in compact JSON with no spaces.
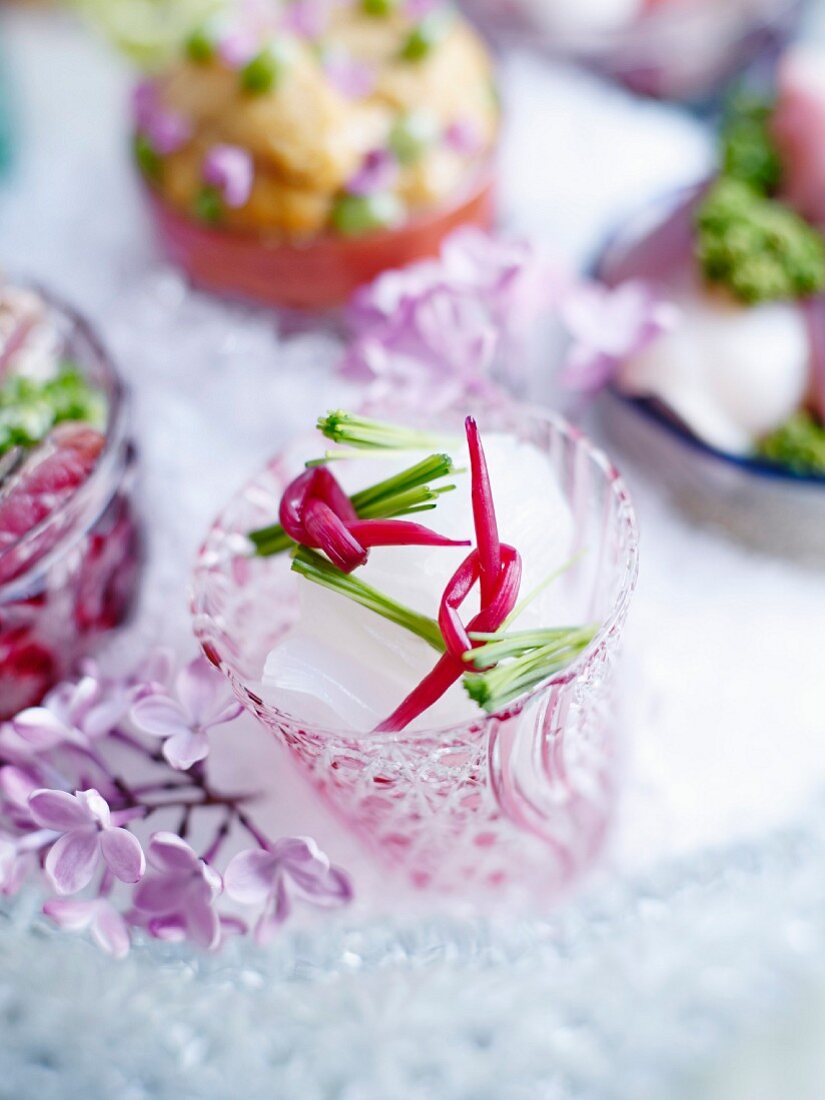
{"x":292,"y":152}
{"x":69,"y":542}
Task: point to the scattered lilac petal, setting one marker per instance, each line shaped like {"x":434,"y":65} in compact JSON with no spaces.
{"x":464,"y":137}
{"x":122,"y":854}
{"x":166,"y":130}
{"x":98,"y":915}
{"x":608,"y":326}
{"x":72,"y":859}
{"x":378,"y":172}
{"x":306,"y":18}
{"x":238,"y":48}
{"x":266,"y":878}
{"x":159,"y":716}
{"x":185,"y":749}
{"x":231,"y":170}
{"x":351,"y":77}
{"x":58,"y":810}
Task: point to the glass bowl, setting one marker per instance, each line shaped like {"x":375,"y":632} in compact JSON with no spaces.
{"x":766,"y":505}
{"x":72,"y":578}
{"x":319,"y":273}
{"x":513,"y":805}
{"x":678,"y":51}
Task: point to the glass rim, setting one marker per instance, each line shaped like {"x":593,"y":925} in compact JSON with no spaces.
{"x":618,"y":609}
{"x":112,"y":455}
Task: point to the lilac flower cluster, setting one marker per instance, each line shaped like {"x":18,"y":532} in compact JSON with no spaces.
{"x":435,"y":329}
{"x":81,"y":778}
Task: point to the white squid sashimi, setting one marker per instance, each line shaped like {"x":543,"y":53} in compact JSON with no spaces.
{"x":732,"y":373}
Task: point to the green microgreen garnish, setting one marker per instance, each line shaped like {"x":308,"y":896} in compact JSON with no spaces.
{"x":379,"y":9}
{"x":371,"y":435}
{"x":412,"y":134}
{"x":403,"y":494}
{"x":29,"y":409}
{"x":425,"y":36}
{"x":758,"y":248}
{"x":209,"y":207}
{"x":149,"y":161}
{"x":317,"y":569}
{"x":748,"y":150}
{"x":799,"y":445}
{"x":355,"y":215}
{"x":522,"y":660}
{"x":200,"y":46}
{"x":263,"y":73}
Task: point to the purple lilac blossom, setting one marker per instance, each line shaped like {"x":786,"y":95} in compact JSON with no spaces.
{"x":166,"y":130}
{"x":378,"y":172}
{"x":108,"y":928}
{"x":86,"y":835}
{"x":180,"y":892}
{"x":230,"y":169}
{"x":607,"y":327}
{"x":182,"y":717}
{"x":269,"y":878}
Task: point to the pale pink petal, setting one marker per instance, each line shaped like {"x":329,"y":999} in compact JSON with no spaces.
{"x":185,"y":749}
{"x":159,"y":716}
{"x":58,"y":810}
{"x":104,"y":716}
{"x":96,"y":805}
{"x":70,"y":914}
{"x":275,"y":913}
{"x":123,"y":854}
{"x":170,"y":928}
{"x":109,"y":931}
{"x":71,"y":861}
{"x":161,"y":894}
{"x":202,"y":690}
{"x":17,"y":784}
{"x":202,"y":922}
{"x":332,"y":887}
{"x":250,"y":876}
{"x":40,"y":728}
{"x":168,"y":852}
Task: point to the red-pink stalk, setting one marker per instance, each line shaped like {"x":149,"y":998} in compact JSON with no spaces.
{"x":398,"y":532}
{"x":484,"y":513}
{"x":451,"y":667}
{"x":327,"y":531}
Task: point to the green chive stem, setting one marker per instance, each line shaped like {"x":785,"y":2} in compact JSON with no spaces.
{"x":317,"y":569}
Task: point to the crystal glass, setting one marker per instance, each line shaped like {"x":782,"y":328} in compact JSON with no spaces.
{"x":71,"y":578}
{"x":676,"y":49}
{"x":510,"y":805}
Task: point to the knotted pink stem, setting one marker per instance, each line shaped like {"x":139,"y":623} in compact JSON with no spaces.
{"x":316,"y":512}
{"x":451,"y":666}
{"x":484,"y":513}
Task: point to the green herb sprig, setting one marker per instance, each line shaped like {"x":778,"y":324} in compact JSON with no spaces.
{"x":29,"y":409}
{"x":760,"y":249}
{"x":799,"y":445}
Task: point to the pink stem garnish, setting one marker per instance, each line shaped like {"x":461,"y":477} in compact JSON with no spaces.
{"x":316,"y":512}
{"x":328,"y":531}
{"x":484,"y":514}
{"x":451,"y":666}
{"x":398,"y":532}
